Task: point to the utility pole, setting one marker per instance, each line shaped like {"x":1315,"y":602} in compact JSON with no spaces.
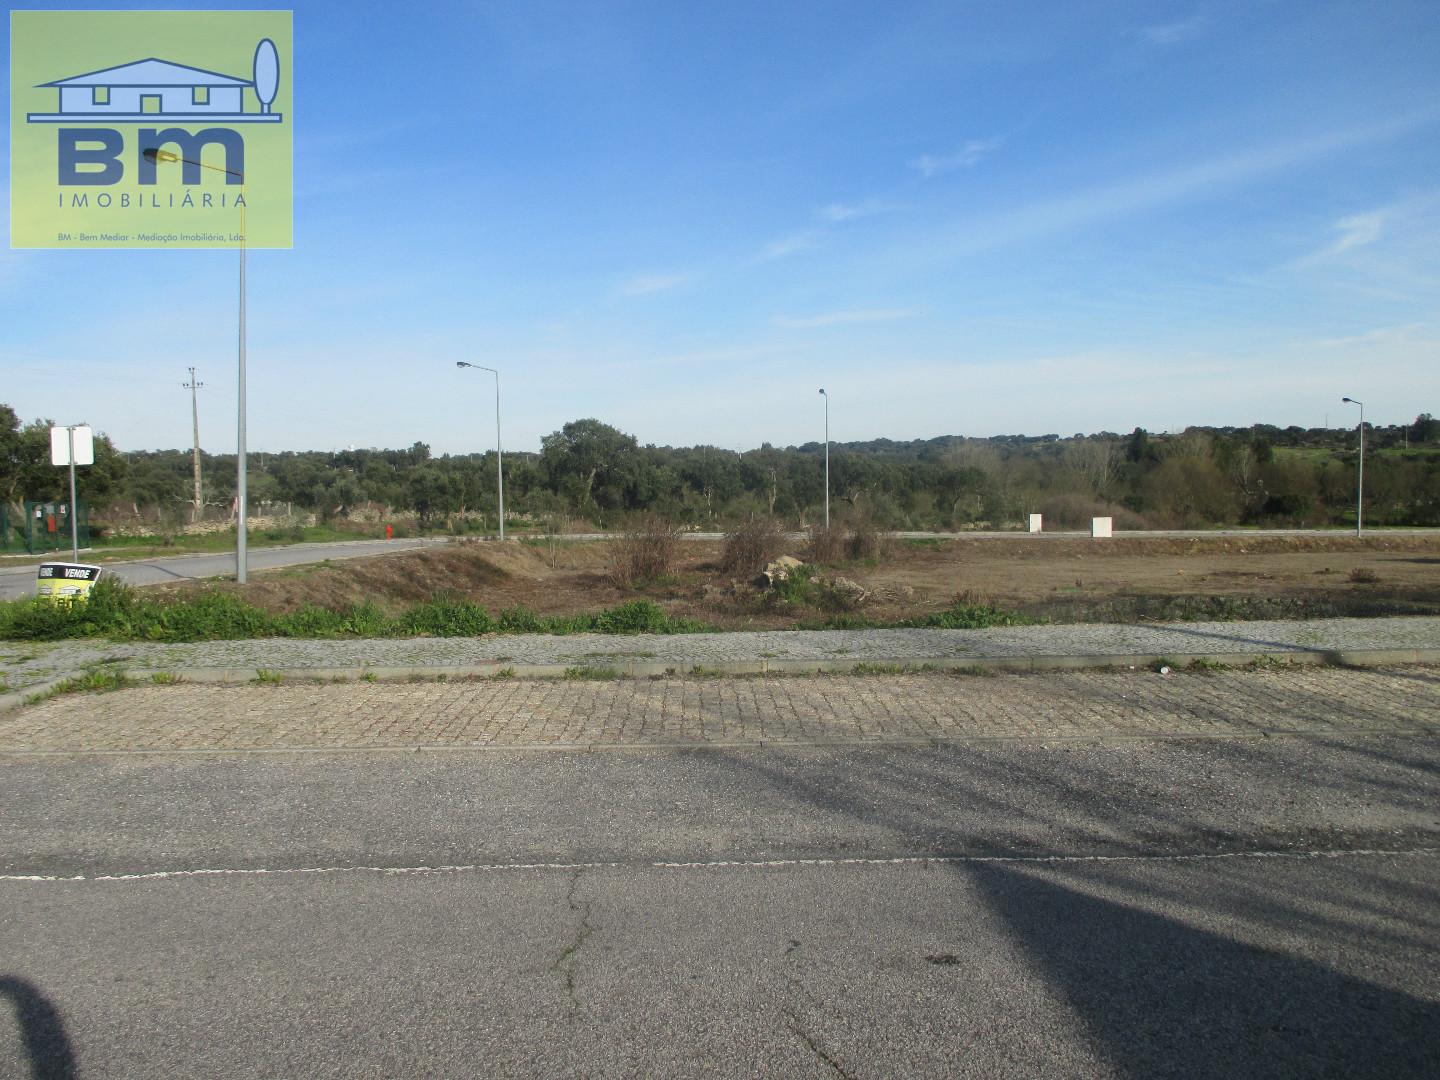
{"x":194,"y":385}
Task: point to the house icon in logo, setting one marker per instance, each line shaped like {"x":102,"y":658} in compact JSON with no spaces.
{"x":151,"y":89}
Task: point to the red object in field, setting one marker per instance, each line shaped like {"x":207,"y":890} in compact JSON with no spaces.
{"x":389,"y":532}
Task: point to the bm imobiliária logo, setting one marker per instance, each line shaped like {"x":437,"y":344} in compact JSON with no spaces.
{"x":141,"y":129}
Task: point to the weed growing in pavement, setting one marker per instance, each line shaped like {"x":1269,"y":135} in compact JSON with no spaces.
{"x":1202,"y":666}
{"x":92,"y":682}
{"x":369,"y":676}
{"x":504,"y":673}
{"x":164,"y":678}
{"x":267,"y":677}
{"x":1267,"y":663}
{"x":591,"y":674}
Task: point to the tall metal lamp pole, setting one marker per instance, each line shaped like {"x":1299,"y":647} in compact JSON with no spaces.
{"x":1360,"y":475}
{"x":499,"y":461}
{"x":242,"y":499}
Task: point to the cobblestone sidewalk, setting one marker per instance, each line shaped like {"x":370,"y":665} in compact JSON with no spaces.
{"x":721,"y":712}
{"x":24,"y":666}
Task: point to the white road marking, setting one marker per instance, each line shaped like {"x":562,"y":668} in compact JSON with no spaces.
{"x":724,"y":864}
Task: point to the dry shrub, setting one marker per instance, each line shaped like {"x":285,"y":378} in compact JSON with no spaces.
{"x":751,"y":546}
{"x":865,"y":542}
{"x":1072,"y":510}
{"x":1362,"y":575}
{"x":825,"y":544}
{"x":648,"y":551}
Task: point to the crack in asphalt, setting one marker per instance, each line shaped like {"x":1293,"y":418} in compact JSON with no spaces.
{"x":565,"y":963}
{"x":794,"y":987}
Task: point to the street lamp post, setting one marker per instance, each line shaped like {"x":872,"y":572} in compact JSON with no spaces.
{"x":242,"y":499}
{"x":827,"y":456}
{"x":1360,"y":475}
{"x":499,"y":460}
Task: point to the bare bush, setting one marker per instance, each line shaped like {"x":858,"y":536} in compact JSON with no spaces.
{"x":648,"y":551}
{"x":865,"y":541}
{"x":1071,"y":510}
{"x":752,"y":545}
{"x":825,"y":544}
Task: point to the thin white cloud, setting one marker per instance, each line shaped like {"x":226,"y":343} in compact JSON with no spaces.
{"x":838,"y":212}
{"x":968,"y":236}
{"x":1397,"y":240}
{"x":1410,"y":334}
{"x":790,"y":244}
{"x":645,"y":284}
{"x":967,"y":157}
{"x":838,"y":318}
{"x":1358,"y":231}
{"x":1173,"y":33}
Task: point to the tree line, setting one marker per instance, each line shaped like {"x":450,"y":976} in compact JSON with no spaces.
{"x":591,"y":472}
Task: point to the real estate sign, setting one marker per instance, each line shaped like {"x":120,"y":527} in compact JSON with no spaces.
{"x":150,"y":129}
{"x":62,"y":582}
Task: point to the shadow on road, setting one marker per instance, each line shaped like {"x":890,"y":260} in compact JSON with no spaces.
{"x":1170,"y":965}
{"x":1162,"y":998}
{"x":42,"y":1031}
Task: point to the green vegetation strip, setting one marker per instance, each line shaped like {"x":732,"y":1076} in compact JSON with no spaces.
{"x":122,"y":613}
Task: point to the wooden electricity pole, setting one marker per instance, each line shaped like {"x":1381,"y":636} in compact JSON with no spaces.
{"x":193,"y":386}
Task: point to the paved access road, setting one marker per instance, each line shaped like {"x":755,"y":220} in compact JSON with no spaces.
{"x":19,"y":580}
{"x":1226,"y":906}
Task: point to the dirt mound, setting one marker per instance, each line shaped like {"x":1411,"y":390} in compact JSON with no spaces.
{"x":1063,"y":578}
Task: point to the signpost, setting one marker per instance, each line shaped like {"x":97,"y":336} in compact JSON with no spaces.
{"x":73,"y":445}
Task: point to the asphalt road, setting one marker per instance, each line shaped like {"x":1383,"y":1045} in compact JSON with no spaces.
{"x":19,"y":580}
{"x":1136,"y":909}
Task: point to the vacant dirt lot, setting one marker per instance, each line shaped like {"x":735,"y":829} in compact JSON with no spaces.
{"x":1062,"y":579}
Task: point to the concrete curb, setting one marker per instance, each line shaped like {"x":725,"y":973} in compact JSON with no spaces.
{"x":779,"y":666}
{"x":654,"y":669}
{"x":17,"y":698}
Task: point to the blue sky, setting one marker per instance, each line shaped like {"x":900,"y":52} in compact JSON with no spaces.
{"x":960,"y":218}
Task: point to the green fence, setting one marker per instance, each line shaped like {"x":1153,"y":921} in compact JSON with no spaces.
{"x":40,"y":527}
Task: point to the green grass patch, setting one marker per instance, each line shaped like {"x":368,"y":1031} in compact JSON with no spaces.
{"x":92,"y":682}
{"x":122,"y":613}
{"x":955,"y":617}
{"x":589,"y":673}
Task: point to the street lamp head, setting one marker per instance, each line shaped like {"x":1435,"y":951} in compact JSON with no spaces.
{"x":822,"y":390}
{"x":461,"y":363}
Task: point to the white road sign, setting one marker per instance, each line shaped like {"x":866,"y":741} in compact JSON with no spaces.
{"x":60,"y":445}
